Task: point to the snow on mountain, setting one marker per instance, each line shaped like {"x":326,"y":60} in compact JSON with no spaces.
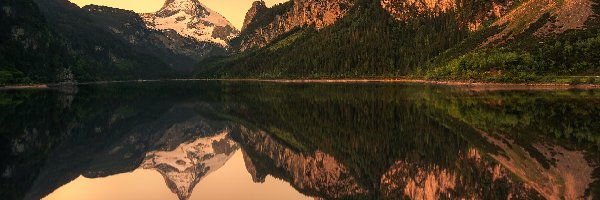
{"x":192,"y":19}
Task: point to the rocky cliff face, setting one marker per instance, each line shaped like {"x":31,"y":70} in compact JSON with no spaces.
{"x":476,"y":15}
{"x":514,"y":16}
{"x":190,"y":18}
{"x":264,"y":25}
{"x":258,"y":7}
{"x":562,"y":16}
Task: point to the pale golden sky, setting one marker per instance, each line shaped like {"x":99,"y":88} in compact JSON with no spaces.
{"x":150,"y":185}
{"x":233,"y":10}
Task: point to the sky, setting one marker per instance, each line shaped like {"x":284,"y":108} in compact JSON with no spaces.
{"x":233,"y":10}
{"x":150,"y":185}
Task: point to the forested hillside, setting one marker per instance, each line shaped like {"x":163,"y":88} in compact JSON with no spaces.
{"x":63,"y":45}
{"x":498,"y":41}
{"x":545,"y":51}
{"x":96,"y":53}
{"x":53,"y":41}
{"x":368,"y":42}
{"x":28,"y":49}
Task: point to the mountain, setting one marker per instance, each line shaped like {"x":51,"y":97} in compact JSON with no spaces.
{"x":180,"y":52}
{"x":186,"y":165}
{"x":466,"y":40}
{"x":91,"y":51}
{"x":263,"y":25}
{"x":311,"y":173}
{"x":190,"y":18}
{"x":175,"y":140}
{"x":495,"y":41}
{"x":322,"y":175}
{"x":471,"y":13}
{"x":52,"y":41}
{"x":258,"y":7}
{"x":28,"y":44}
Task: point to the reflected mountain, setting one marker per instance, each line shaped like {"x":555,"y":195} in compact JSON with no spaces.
{"x":186,"y":165}
{"x":317,"y":173}
{"x":328,"y":141}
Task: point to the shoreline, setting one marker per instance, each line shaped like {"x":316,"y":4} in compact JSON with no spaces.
{"x":22,"y":87}
{"x":468,"y":85}
{"x":474,"y":86}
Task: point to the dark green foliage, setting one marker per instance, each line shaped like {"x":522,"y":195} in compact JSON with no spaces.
{"x":558,"y":58}
{"x":28,"y":50}
{"x":97,"y":54}
{"x":489,"y":66}
{"x":83,"y":124}
{"x":571,"y":56}
{"x":61,"y":44}
{"x":576,"y":53}
{"x":367,"y":42}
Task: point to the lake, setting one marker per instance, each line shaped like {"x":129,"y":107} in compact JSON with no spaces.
{"x":249,"y":140}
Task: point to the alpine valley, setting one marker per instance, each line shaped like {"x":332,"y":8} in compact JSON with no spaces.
{"x":56,"y":41}
{"x":51,"y":41}
{"x":489,"y":40}
{"x":304,"y":99}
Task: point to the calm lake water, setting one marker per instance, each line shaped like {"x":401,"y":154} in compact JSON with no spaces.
{"x":235,"y":140}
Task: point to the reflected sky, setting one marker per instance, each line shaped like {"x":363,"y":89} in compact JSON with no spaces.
{"x":232,"y":181}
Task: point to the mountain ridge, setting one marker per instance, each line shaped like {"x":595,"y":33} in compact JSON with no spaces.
{"x":465,"y":40}
{"x":193,"y":19}
{"x":287,"y":16}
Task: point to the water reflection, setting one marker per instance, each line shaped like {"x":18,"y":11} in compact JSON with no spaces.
{"x":144,"y":184}
{"x":330,"y":141}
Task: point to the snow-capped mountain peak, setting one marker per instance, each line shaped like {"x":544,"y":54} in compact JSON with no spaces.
{"x":190,"y":18}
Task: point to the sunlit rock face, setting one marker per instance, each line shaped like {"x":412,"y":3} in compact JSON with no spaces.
{"x":190,"y":18}
{"x":570,"y":14}
{"x":430,"y":181}
{"x":258,"y":7}
{"x":189,"y":162}
{"x":297,"y":13}
{"x":563,"y":16}
{"x":479,"y":13}
{"x":556,"y":173}
{"x":317,"y":173}
{"x":433,"y":184}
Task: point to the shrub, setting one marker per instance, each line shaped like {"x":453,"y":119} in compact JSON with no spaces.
{"x":491,"y":65}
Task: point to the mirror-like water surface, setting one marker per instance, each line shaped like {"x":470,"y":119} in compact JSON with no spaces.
{"x":235,"y":140}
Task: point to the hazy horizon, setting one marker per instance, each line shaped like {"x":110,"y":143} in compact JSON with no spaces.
{"x":233,"y":10}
